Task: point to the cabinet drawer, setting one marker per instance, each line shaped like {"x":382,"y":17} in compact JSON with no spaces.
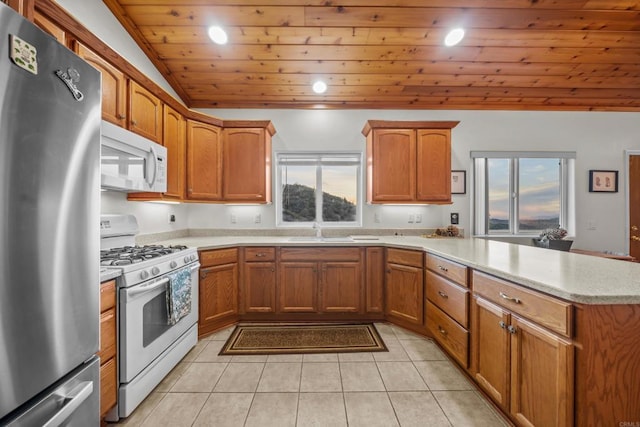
{"x":448,"y":333}
{"x":218,"y":257}
{"x":542,"y":309}
{"x":313,"y":253}
{"x":107,"y":295}
{"x":107,"y":335}
{"x":404,"y":257}
{"x":449,"y":269}
{"x":452,"y":299}
{"x":259,"y":254}
{"x":108,"y":386}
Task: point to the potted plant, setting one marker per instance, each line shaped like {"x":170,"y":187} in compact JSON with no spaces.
{"x":553,"y":238}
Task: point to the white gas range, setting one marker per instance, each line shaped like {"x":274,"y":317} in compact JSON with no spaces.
{"x":150,"y":343}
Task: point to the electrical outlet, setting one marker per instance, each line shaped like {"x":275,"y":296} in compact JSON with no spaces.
{"x":455,"y":218}
{"x":418,"y":217}
{"x":377,"y":217}
{"x":412,"y":218}
{"x":257,"y":219}
{"x":234,"y":219}
{"x":172,"y":218}
{"x":592,"y":225}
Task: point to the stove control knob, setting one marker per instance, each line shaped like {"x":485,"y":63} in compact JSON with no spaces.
{"x":155,"y":271}
{"x":193,"y":257}
{"x":144,"y":274}
{"x":187,"y":259}
{"x":173,"y":264}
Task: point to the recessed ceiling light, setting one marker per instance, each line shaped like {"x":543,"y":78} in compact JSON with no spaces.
{"x":218,"y":35}
{"x":454,"y":37}
{"x":319,"y":86}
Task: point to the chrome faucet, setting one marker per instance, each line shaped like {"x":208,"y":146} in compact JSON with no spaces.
{"x":316,"y":226}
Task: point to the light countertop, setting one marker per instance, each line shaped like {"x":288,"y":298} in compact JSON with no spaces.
{"x":574,"y":277}
{"x":109,"y":273}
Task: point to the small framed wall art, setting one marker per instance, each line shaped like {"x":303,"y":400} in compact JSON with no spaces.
{"x":458,"y":182}
{"x":603,"y":181}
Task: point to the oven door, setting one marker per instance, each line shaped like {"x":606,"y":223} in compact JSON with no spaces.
{"x":144,"y":329}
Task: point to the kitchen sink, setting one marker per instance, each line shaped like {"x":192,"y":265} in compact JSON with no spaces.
{"x":346,"y":239}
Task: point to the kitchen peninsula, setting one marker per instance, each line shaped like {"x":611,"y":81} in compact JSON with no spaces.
{"x":563,"y":339}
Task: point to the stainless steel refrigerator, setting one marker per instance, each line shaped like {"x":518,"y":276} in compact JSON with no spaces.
{"x":49,"y":230}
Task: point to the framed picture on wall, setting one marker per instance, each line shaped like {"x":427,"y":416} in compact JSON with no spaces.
{"x":458,"y":182}
{"x":603,"y":181}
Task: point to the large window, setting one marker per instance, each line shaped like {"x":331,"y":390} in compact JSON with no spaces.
{"x":522,"y":192}
{"x":321,"y":188}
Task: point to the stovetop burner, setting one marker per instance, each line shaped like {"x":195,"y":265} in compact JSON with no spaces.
{"x":127,"y":255}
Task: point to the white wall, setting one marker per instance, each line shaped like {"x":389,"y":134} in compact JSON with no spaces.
{"x":598,"y":138}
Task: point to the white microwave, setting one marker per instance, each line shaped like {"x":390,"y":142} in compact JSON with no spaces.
{"x":130,"y":162}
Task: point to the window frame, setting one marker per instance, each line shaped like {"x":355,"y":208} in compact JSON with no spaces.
{"x":306,"y":158}
{"x":481,"y":194}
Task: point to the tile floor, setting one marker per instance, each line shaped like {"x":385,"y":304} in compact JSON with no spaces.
{"x":414,"y":384}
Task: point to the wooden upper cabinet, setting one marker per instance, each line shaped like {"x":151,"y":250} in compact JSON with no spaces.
{"x":50,"y":27}
{"x":24,"y":7}
{"x":393,"y":161}
{"x":408,"y":162}
{"x":174,"y":138}
{"x":145,"y":112}
{"x":433,"y":173}
{"x":114,"y":86}
{"x":246,"y":165}
{"x":204,"y":161}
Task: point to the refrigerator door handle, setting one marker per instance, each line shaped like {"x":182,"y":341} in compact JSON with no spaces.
{"x":73,"y":400}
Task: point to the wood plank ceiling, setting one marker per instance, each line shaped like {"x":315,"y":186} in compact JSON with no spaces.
{"x":389,"y":54}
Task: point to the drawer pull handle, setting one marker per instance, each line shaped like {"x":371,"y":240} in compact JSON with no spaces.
{"x":502,"y":324}
{"x":508,"y":298}
{"x":260,"y":255}
{"x":442,"y":331}
{"x":443,"y":295}
{"x":512,"y":329}
{"x":443,"y":268}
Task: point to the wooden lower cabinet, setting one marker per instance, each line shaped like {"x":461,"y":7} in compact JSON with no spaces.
{"x":218,"y":289}
{"x":404,"y":286}
{"x":374,"y":280}
{"x":259,"y":287}
{"x":541,"y":376}
{"x":341,"y":287}
{"x":527,"y":370}
{"x":108,"y":347}
{"x":298,"y":287}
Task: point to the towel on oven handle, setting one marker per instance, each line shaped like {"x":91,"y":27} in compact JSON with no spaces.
{"x":178,"y":295}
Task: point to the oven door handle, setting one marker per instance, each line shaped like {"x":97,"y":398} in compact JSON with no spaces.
{"x":143,"y":289}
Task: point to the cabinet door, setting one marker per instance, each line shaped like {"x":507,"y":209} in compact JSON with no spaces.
{"x":23,"y":7}
{"x":374,"y":292}
{"x":393,"y":165}
{"x":541,"y":376}
{"x":298,"y":287}
{"x":218,"y":292}
{"x":491,"y":350}
{"x":108,"y":386}
{"x":145,"y":113}
{"x":174,"y":138}
{"x":204,"y":161}
{"x":259,"y":287}
{"x":114,"y":86}
{"x":246,"y":165}
{"x":341,"y":287}
{"x":49,"y":27}
{"x":433,"y":175}
{"x":404,"y":292}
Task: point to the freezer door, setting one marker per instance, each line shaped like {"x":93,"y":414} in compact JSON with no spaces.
{"x":74,"y":403}
{"x":49,"y":212}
